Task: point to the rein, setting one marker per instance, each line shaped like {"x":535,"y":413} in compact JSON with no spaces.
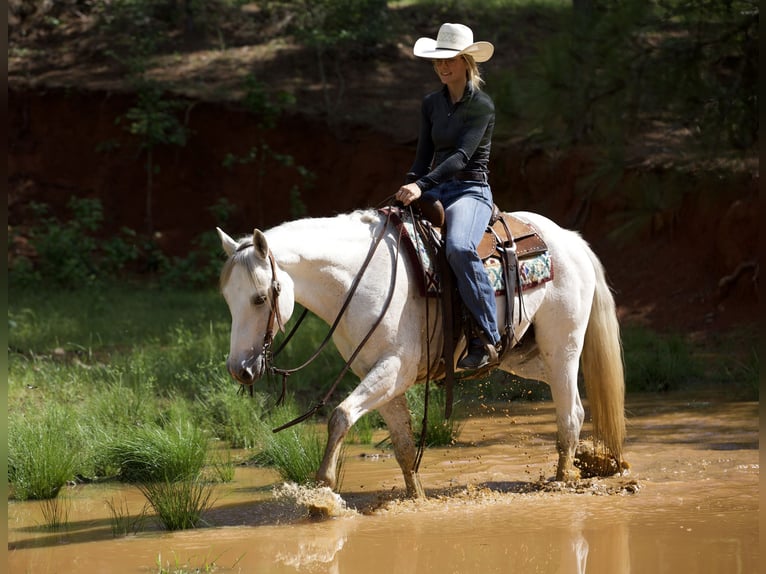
{"x":352,"y":290}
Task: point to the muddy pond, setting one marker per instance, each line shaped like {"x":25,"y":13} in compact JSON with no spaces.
{"x":689,"y":504}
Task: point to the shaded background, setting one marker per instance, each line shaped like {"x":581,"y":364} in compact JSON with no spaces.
{"x":637,"y":128}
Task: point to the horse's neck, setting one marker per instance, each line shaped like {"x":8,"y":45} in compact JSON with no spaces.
{"x":322,"y":256}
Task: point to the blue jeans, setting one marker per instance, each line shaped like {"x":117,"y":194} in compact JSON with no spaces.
{"x":468,"y":207}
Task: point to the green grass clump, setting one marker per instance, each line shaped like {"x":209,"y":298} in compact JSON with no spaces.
{"x":154,"y":453}
{"x":44,"y":452}
{"x":179,"y":504}
{"x":234,"y":417}
{"x":55,"y":512}
{"x":295,"y":452}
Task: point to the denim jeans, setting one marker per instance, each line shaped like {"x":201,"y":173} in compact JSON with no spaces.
{"x":468,"y":207}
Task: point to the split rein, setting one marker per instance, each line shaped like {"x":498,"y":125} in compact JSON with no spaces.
{"x":275,"y":317}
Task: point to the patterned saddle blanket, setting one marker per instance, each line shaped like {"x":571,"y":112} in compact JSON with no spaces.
{"x":534,"y":260}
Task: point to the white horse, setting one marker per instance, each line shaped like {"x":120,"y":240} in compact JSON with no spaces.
{"x":315,"y":261}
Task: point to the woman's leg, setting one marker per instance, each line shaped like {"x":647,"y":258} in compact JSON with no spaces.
{"x":467,"y":219}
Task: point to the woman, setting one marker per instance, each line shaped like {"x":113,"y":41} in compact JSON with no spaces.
{"x":451,"y":165}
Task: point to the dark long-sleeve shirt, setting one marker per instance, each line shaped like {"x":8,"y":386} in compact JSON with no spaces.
{"x":453,"y":137}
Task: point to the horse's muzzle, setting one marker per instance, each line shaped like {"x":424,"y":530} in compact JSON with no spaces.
{"x":247,"y":371}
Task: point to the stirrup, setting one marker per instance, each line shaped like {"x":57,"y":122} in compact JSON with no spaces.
{"x":478,"y":357}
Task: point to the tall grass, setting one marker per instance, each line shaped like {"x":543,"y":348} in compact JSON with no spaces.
{"x":44,"y":451}
{"x":440,"y":431}
{"x":132,"y":383}
{"x":234,"y":417}
{"x":158,"y":453}
{"x":179,"y":504}
{"x":295,"y":452}
{"x":123,"y":523}
{"x":657,"y":363}
{"x":55,"y":512}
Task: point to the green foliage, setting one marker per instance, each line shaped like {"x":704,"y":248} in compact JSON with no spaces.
{"x":153,"y":120}
{"x":609,"y":70}
{"x":179,"y":504}
{"x":71,"y":253}
{"x":260,"y":103}
{"x":235,"y":417}
{"x":158,"y":453}
{"x":55,"y":512}
{"x":44,"y":451}
{"x":657,"y":362}
{"x":363,"y":430}
{"x":295,"y":452}
{"x":64,"y":250}
{"x":201,"y":266}
{"x":123,"y":523}
{"x":334,"y":25}
{"x":439,"y":430}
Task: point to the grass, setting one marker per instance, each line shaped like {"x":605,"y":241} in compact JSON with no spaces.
{"x":55,"y":512}
{"x":179,"y":504}
{"x":123,"y":523}
{"x":154,"y":453}
{"x":654,"y":363}
{"x":180,"y":567}
{"x":43,"y":451}
{"x":294,"y":452}
{"x":141,"y":392}
{"x":439,"y":430}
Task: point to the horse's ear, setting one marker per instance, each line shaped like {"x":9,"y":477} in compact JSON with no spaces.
{"x":260,"y":244}
{"x":228,"y":244}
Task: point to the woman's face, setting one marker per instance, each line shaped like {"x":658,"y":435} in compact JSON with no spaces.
{"x":452,"y":70}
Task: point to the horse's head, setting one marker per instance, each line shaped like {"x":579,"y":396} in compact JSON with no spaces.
{"x":260,"y":298}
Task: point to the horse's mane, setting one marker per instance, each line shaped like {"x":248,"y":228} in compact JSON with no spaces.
{"x":242,"y":256}
{"x":321,"y":226}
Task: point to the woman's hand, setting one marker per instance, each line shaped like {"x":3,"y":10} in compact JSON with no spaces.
{"x":408,"y":193}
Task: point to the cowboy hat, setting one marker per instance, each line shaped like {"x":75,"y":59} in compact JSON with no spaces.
{"x":453,"y":40}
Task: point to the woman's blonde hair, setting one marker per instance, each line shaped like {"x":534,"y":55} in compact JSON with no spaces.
{"x":474,"y":75}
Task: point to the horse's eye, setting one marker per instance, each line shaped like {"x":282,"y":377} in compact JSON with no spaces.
{"x":258,"y":299}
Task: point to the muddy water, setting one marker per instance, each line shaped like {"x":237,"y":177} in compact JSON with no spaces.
{"x":688,"y":505}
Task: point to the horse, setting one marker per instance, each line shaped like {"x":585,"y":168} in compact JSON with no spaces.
{"x":315,"y":262}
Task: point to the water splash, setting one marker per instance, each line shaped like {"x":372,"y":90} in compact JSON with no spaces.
{"x":320,"y":501}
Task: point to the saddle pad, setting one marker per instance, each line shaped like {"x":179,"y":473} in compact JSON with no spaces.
{"x":534,"y":269}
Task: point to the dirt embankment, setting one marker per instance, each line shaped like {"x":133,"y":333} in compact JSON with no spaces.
{"x":64,"y":143}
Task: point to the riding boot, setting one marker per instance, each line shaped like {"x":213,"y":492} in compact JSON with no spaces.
{"x":481,"y":353}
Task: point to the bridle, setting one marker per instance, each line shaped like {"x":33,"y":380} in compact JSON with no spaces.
{"x":275,"y":318}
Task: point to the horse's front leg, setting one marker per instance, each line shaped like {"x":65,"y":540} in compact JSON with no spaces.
{"x":337,"y":428}
{"x":374,"y":391}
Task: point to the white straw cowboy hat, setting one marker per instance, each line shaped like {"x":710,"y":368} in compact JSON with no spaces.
{"x":453,"y":40}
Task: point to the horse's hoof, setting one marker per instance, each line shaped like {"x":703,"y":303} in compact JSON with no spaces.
{"x":570,"y":475}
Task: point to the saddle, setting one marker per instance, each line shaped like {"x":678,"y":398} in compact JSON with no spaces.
{"x":507,"y":239}
{"x":504,"y":230}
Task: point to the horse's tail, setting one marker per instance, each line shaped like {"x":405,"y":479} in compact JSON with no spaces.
{"x":602,"y":366}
